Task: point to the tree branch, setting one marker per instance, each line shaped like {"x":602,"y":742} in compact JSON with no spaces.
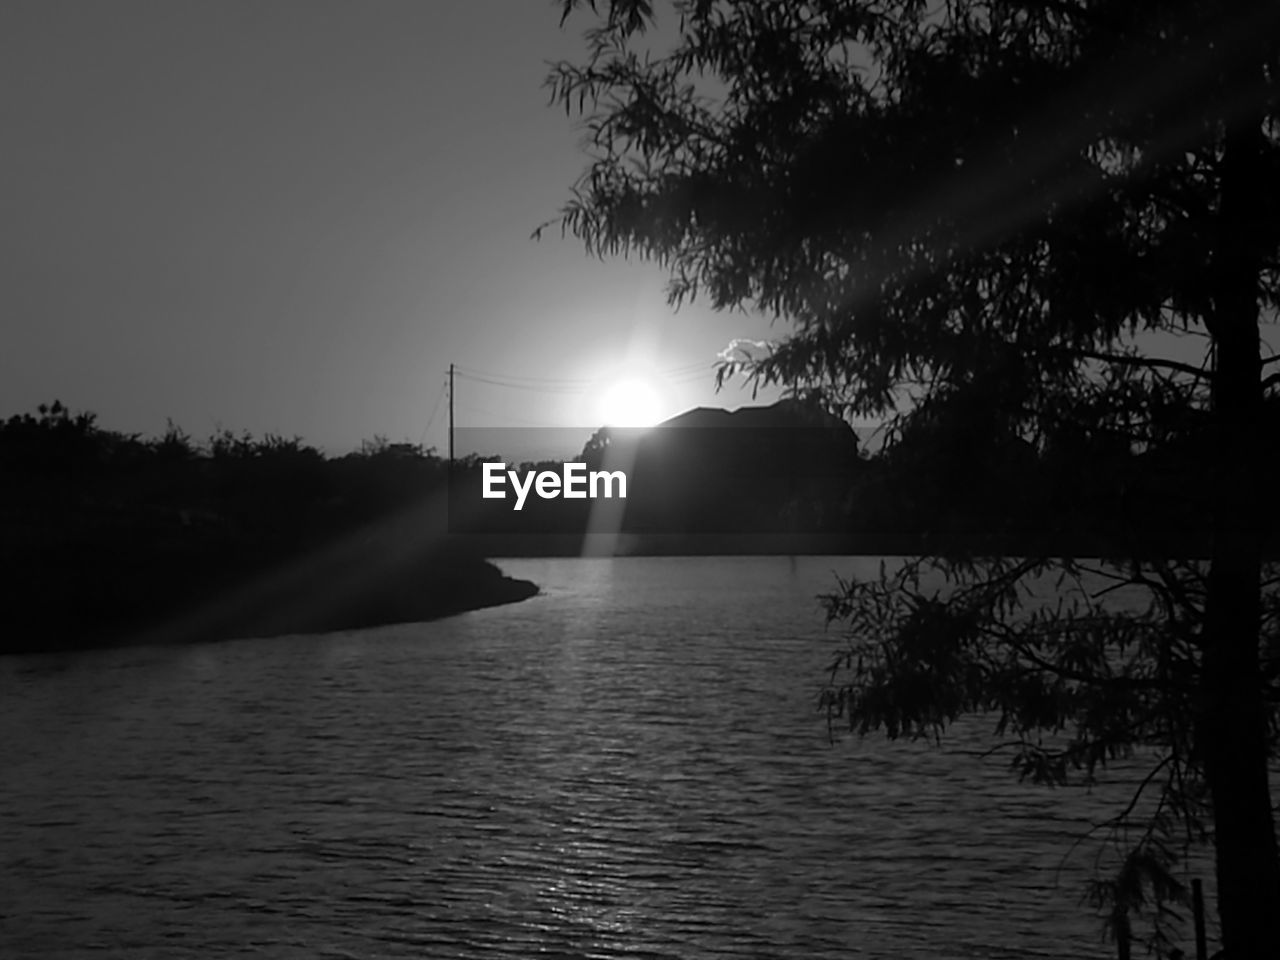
{"x":1149,"y":362}
{"x":1072,"y":10}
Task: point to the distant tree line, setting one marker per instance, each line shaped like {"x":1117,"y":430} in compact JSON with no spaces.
{"x":106,"y":533}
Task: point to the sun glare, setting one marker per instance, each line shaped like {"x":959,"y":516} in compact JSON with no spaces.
{"x":630,"y":403}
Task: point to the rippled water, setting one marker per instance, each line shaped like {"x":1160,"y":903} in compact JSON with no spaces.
{"x":630,"y":765}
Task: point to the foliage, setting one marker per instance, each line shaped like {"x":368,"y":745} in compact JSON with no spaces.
{"x":133,"y":527}
{"x":1047,"y":223}
{"x":1074,"y":684}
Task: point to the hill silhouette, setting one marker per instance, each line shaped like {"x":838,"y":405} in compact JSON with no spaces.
{"x":793,"y":478}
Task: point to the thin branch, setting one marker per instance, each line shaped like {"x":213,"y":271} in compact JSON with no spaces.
{"x":1122,"y":818}
{"x":1074,"y":11}
{"x":1113,"y":680}
{"x":1150,"y":362}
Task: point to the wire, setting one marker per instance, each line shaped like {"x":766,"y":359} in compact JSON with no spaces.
{"x":572,"y":385}
{"x":689,"y":373}
{"x":692,"y":377}
{"x":553,"y":381}
{"x":506,"y":416}
{"x":434,"y":410}
{"x":519,"y":386}
{"x":520,"y":378}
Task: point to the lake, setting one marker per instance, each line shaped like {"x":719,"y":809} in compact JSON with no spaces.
{"x":629,"y":765}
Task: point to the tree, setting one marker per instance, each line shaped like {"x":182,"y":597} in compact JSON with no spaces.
{"x":1024,"y":210}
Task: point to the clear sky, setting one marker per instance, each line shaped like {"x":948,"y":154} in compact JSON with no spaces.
{"x":291,"y":216}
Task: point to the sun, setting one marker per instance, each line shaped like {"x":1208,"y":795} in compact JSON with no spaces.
{"x":631,"y":402}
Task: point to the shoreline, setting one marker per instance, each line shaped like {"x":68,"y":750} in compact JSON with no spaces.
{"x":343,"y":588}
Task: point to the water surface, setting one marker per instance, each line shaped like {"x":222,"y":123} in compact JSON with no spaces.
{"x":630,"y":765}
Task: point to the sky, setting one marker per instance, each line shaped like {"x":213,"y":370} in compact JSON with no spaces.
{"x":292,"y":217}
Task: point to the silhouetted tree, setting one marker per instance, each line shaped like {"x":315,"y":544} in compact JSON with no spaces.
{"x":991,"y":205}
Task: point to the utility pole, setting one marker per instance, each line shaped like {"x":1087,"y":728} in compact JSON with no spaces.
{"x":451,"y":414}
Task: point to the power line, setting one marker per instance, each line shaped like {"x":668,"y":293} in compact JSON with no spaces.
{"x":691,"y":377}
{"x":564,"y":387}
{"x":571,"y":385}
{"x":515,"y":378}
{"x":434,"y":410}
{"x":507,"y":416}
{"x":475,"y":378}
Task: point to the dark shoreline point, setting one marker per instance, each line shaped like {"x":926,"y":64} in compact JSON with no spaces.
{"x":173,"y":599}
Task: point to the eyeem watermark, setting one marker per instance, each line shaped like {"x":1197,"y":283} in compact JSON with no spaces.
{"x":574,"y":482}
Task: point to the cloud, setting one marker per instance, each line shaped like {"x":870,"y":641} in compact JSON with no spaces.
{"x":742,"y":350}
